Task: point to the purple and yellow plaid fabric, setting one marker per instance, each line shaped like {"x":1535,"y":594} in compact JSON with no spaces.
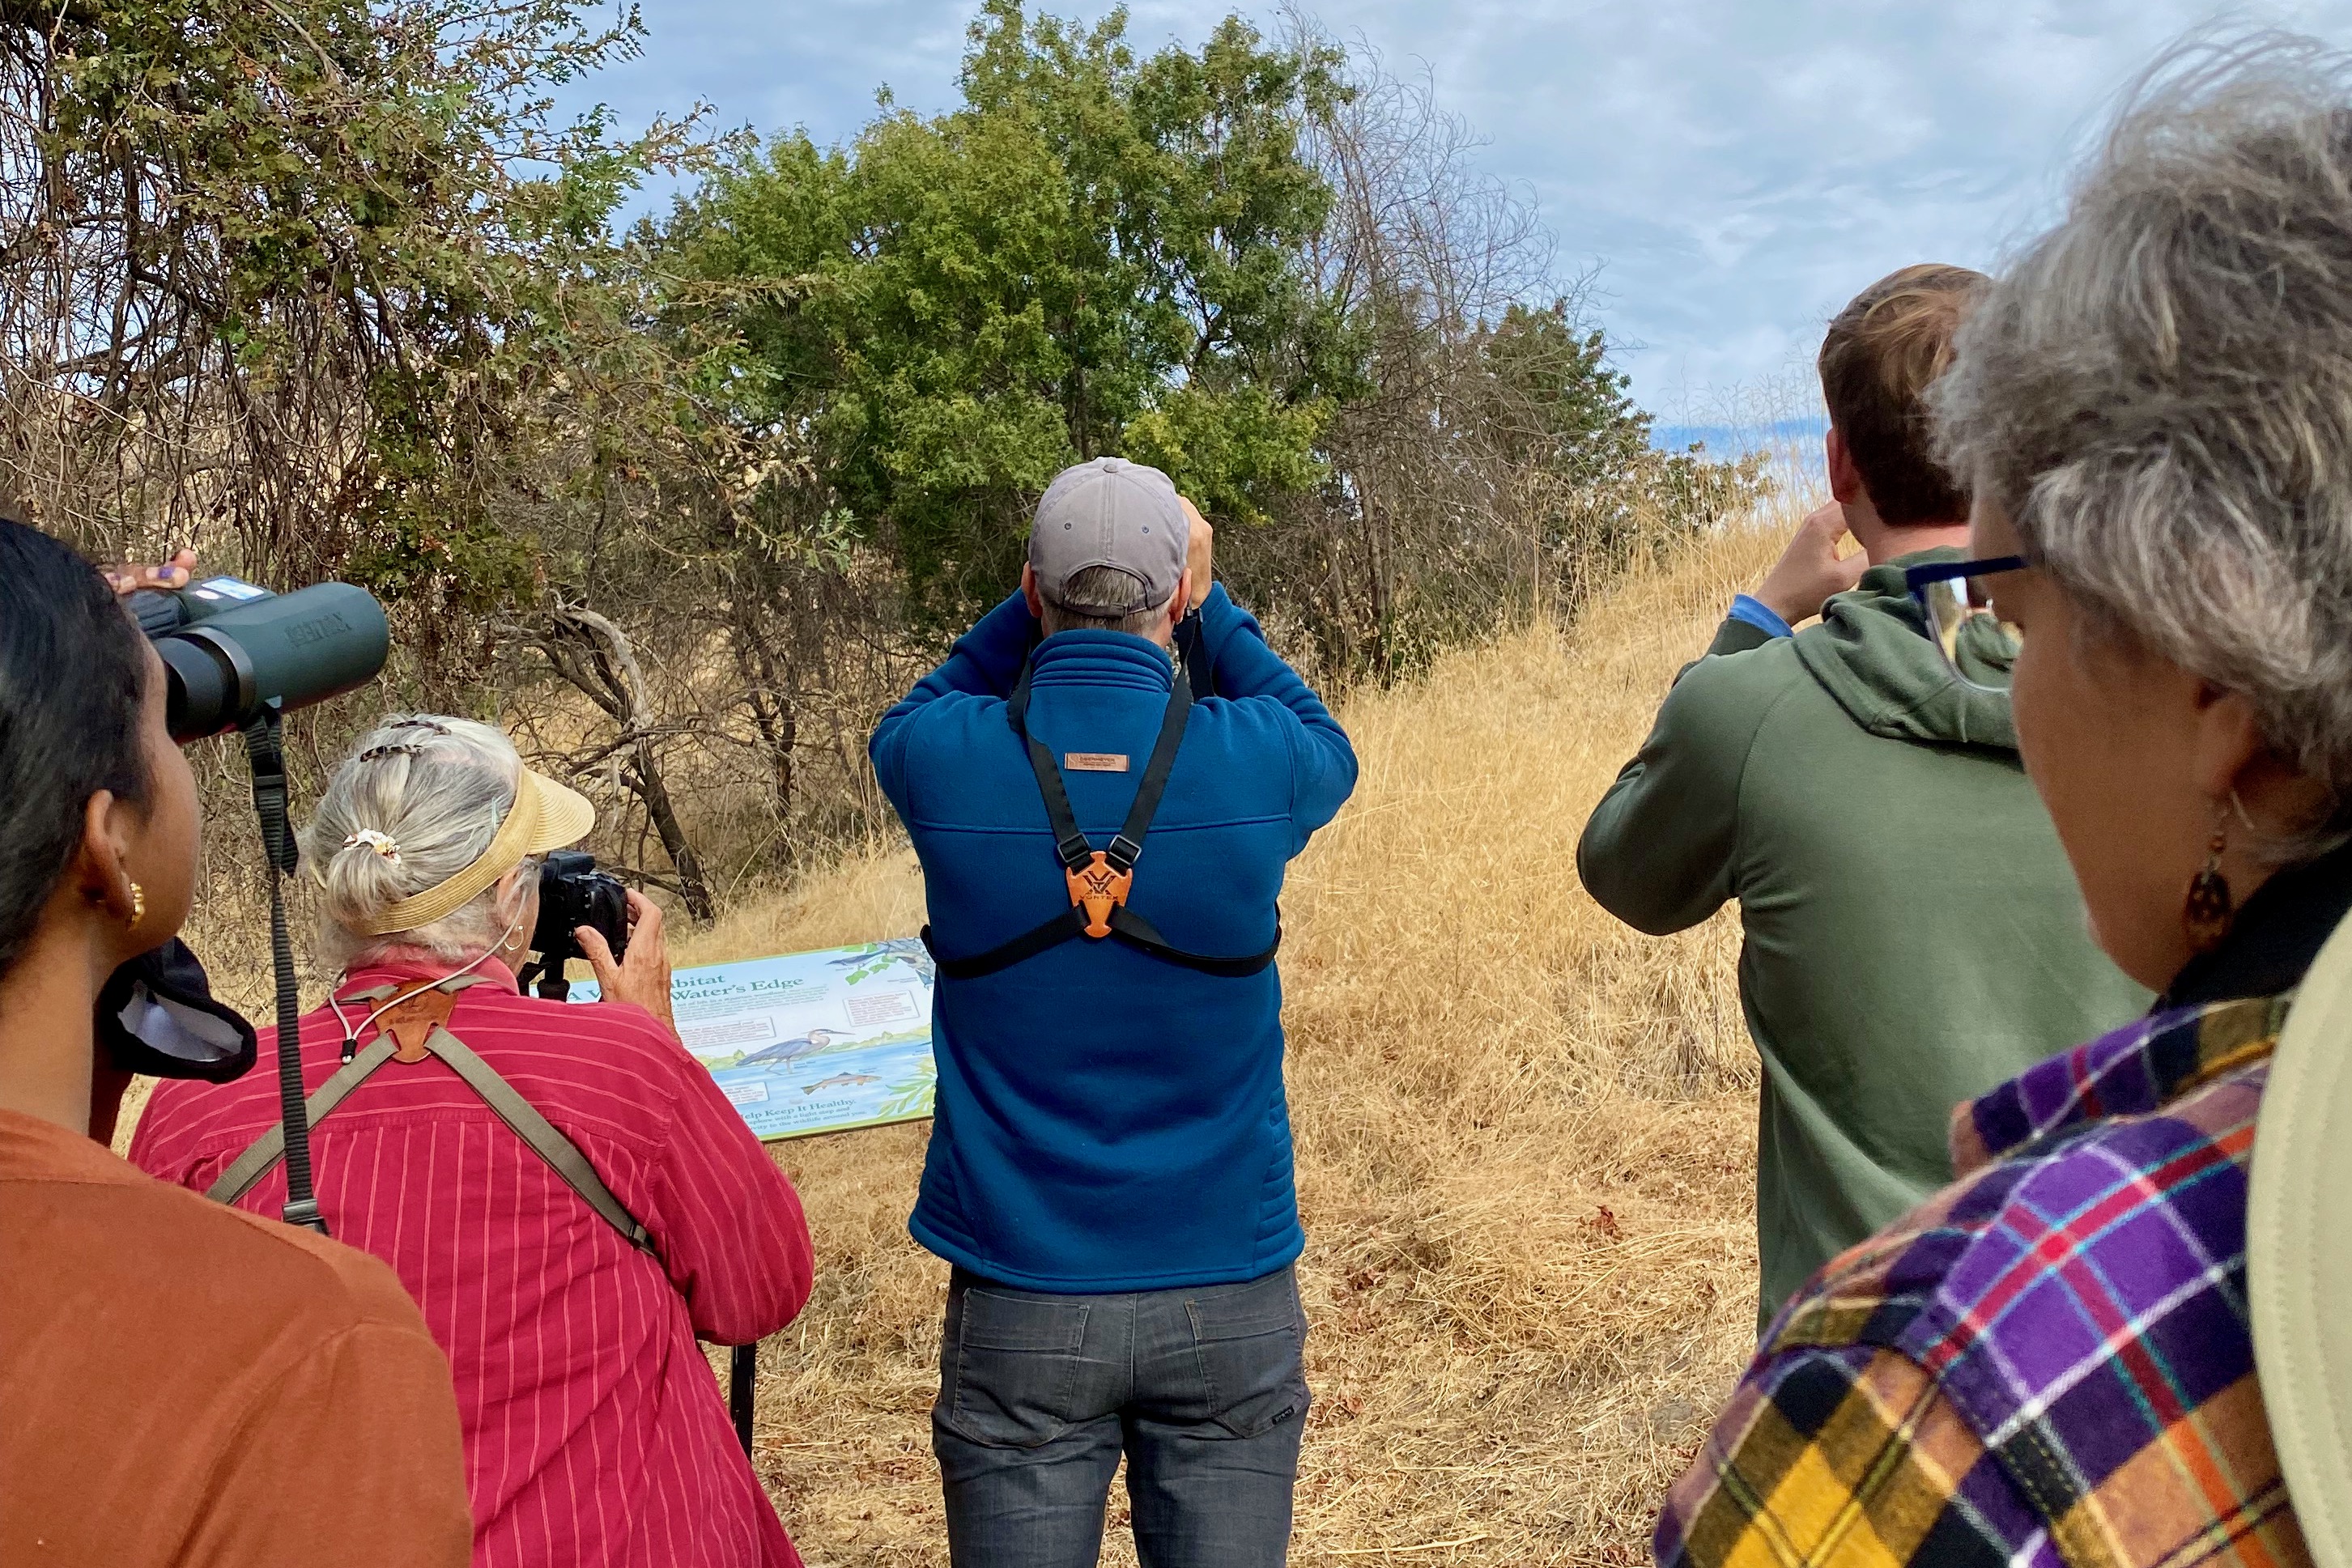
{"x":2049,"y":1362}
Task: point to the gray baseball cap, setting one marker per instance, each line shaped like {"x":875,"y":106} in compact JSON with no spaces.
{"x":1113,"y":513}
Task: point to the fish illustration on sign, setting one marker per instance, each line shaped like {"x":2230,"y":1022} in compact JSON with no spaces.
{"x":875,"y":957}
{"x":840,"y":1080}
{"x":785,"y":1050}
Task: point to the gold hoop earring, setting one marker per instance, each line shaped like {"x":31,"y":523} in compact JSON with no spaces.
{"x":138,"y":905}
{"x":2207,"y":911}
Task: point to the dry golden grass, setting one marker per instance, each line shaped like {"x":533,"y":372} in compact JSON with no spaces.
{"x":1526,"y":1145}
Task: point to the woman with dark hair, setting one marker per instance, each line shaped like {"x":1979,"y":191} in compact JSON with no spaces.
{"x":2055,"y":1359}
{"x":179,"y":1383}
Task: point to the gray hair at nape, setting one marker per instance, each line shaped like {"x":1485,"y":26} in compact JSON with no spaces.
{"x":1091,"y":601}
{"x":418,"y":800}
{"x":2157,"y":392}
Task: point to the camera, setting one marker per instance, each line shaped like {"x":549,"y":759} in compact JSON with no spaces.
{"x":231,"y":649}
{"x":571,"y":894}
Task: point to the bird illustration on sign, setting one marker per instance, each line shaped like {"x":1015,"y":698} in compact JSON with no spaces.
{"x":785,"y":1050}
{"x":873,"y":957}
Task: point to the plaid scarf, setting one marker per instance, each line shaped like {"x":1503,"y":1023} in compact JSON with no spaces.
{"x":2048,"y":1361}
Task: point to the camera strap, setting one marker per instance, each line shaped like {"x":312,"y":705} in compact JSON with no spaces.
{"x":1099,"y":880}
{"x":265,"y":751}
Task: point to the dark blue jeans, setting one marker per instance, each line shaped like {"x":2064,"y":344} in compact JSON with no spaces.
{"x":1203,"y":1390}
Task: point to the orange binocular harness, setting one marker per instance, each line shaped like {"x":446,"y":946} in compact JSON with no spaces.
{"x":1101,"y":880}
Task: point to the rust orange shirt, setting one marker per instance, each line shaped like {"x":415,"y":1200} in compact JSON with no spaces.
{"x":183,"y":1383}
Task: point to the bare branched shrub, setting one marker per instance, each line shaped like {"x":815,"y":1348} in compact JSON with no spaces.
{"x":1491,"y":462}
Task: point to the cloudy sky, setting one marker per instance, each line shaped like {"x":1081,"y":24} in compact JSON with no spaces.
{"x":1736,"y":169}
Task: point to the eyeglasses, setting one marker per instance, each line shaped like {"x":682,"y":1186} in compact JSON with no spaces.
{"x":1956,"y":613}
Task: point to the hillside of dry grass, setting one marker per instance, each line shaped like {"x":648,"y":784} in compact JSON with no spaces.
{"x":1526,"y":1143}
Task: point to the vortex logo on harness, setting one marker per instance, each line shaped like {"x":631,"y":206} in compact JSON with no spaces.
{"x":1098,"y":887}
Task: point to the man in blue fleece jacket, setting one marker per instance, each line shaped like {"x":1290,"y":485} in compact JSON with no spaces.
{"x":1110,"y":1168}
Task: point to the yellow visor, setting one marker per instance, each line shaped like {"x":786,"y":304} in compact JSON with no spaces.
{"x":545,"y":816}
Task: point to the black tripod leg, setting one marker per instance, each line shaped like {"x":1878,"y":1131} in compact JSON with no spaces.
{"x":742,"y":1375}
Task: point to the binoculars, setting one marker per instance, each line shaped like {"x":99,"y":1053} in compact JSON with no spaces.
{"x":231,"y":649}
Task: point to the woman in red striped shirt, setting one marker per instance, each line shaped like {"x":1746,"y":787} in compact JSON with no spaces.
{"x":594,"y":1431}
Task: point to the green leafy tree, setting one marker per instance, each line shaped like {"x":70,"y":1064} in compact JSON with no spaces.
{"x":1484,"y":460}
{"x":1557,"y":414}
{"x":299,"y":270}
{"x":328,"y":286}
{"x":1094,"y":255}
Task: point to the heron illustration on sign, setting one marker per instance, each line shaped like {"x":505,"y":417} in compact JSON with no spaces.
{"x":785,"y":1050}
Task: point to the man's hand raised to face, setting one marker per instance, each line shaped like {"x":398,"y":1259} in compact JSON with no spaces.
{"x":1197,"y":553}
{"x":1809,"y":570}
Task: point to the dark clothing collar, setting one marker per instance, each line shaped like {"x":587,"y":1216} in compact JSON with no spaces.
{"x":2274,"y":938}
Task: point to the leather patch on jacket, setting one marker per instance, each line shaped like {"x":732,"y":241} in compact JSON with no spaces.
{"x":412,"y":1022}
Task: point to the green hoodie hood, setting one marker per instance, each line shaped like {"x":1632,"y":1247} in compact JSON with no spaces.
{"x":1872,"y":654}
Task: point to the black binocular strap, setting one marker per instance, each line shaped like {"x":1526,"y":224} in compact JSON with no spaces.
{"x":1192,"y":660}
{"x":265,"y":753}
{"x":562,"y":1155}
{"x":1073,"y":849}
{"x":1127,"y":844}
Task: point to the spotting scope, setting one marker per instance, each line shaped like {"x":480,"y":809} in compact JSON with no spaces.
{"x":232,"y":649}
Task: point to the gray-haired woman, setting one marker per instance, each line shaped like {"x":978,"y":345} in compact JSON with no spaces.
{"x":595,"y":1432}
{"x":2051,"y":1361}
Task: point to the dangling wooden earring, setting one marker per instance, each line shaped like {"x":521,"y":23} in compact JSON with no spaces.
{"x":138,"y":905}
{"x":2207,"y":911}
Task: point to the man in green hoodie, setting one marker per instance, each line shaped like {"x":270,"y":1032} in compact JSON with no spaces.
{"x":1913,"y":934}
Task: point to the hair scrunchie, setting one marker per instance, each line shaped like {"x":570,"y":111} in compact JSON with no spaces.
{"x":379,"y":842}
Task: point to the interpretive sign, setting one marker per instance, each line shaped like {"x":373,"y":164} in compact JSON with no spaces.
{"x":813,"y":1042}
